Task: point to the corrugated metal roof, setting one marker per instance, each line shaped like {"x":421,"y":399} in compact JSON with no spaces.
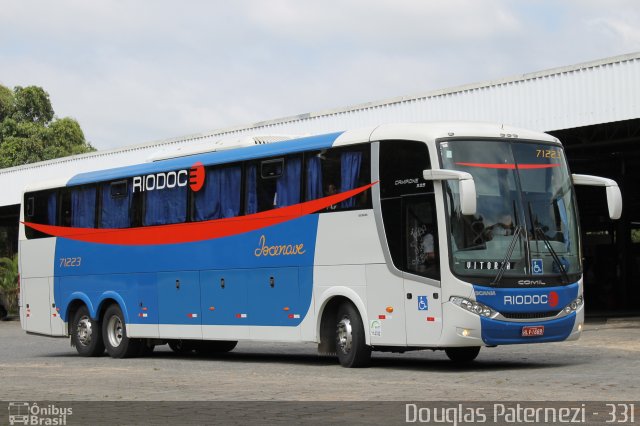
{"x":590,"y":93}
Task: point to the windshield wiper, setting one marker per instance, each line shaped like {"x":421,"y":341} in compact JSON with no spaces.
{"x":539,"y":232}
{"x":507,"y":258}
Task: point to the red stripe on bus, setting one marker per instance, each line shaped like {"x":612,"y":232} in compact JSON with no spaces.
{"x":509,"y":166}
{"x":195,"y":231}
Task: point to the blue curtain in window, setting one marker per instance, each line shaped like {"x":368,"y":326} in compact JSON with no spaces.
{"x":349,"y":172}
{"x":230,"y":187}
{"x":288,"y":185}
{"x":207,"y":200}
{"x":220,"y":196}
{"x":52,"y":204}
{"x":165,"y":206}
{"x":114,"y":212}
{"x":83,"y":207}
{"x":251,"y":201}
{"x":314,"y":178}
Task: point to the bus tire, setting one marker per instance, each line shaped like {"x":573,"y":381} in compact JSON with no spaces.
{"x":114,"y":334}
{"x":86,"y":333}
{"x":462,"y":355}
{"x":351,"y":346}
{"x":212,"y":347}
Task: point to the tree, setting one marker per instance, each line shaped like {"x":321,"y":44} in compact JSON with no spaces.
{"x":30,"y":132}
{"x":32,"y":104}
{"x":6,"y":102}
{"x":9,"y":282}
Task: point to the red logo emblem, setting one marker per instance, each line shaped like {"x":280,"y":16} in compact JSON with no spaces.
{"x":553,"y":299}
{"x":196,"y":177}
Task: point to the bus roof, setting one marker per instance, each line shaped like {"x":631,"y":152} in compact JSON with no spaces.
{"x":210,"y":158}
{"x":410,"y":131}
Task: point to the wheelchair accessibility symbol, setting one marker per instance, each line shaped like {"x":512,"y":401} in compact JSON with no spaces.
{"x":536,"y":266}
{"x":422,"y":303}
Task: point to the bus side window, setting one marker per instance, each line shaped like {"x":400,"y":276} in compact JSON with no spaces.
{"x":220,"y":195}
{"x":165,"y":206}
{"x":336,"y":170}
{"x":115,"y":205}
{"x":40,"y":207}
{"x":83,"y":207}
{"x":273,"y":183}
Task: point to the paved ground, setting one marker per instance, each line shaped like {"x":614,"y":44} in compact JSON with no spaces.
{"x":603,"y":365}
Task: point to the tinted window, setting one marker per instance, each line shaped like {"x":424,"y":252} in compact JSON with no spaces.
{"x":83,"y":207}
{"x":115,"y":206}
{"x":408,"y":208}
{"x":336,"y":170}
{"x":165,"y":206}
{"x":40,"y":207}
{"x":220,"y":195}
{"x":401,"y":167}
{"x":273,"y":189}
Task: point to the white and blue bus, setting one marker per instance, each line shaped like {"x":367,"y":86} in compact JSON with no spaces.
{"x":445,"y":236}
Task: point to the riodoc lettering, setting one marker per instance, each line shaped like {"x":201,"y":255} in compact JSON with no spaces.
{"x":160,"y":181}
{"x":535,"y":299}
{"x":278,"y":250}
{"x":193,"y":177}
{"x":550,"y":299}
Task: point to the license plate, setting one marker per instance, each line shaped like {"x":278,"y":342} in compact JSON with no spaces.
{"x":534,"y":330}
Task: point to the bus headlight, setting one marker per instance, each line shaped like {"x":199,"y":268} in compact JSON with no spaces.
{"x":573,"y":306}
{"x":473,"y":306}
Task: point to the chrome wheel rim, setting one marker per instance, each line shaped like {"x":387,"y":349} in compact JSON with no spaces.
{"x":344,"y":335}
{"x":115,"y":331}
{"x":84,"y":330}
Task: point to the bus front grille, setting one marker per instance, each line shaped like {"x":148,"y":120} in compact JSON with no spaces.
{"x":529,"y":315}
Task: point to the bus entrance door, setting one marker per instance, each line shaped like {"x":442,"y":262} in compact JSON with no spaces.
{"x":423,"y":305}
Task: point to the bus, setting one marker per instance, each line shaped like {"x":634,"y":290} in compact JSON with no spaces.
{"x":442,"y":236}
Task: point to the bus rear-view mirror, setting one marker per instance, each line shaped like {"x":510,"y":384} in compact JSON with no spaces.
{"x":614,"y":198}
{"x":466,"y":184}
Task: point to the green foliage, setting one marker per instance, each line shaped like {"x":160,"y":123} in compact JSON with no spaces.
{"x":32,"y":104}
{"x":6,"y":102}
{"x":9,"y":290}
{"x":29,"y":131}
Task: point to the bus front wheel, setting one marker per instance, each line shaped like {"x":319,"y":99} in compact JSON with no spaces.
{"x":462,"y":355}
{"x":114,"y":333}
{"x":86,"y":334}
{"x":351,"y":346}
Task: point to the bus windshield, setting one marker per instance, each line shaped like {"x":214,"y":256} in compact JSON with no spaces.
{"x":525,"y":224}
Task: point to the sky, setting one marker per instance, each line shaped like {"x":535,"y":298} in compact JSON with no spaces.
{"x":136,"y":71}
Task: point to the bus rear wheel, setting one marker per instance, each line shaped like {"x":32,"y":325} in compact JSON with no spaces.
{"x":351,"y":346}
{"x":86,"y":334}
{"x":463,"y":355}
{"x":114,"y":333}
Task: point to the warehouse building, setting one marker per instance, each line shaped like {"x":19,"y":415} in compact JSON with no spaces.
{"x":593,"y":108}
